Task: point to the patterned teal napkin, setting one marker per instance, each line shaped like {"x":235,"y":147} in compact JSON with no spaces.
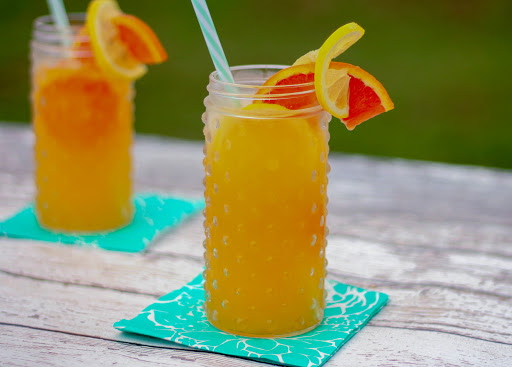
{"x":153,"y":214}
{"x":179,"y":317}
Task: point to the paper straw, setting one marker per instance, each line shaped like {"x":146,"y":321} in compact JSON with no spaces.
{"x":59,"y":14}
{"x":212,"y":40}
{"x":60,"y":18}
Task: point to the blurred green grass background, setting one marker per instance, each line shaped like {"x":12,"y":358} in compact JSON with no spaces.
{"x":446,"y":65}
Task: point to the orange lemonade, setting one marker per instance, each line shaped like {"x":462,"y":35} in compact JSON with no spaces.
{"x":266,"y":183}
{"x":83,"y":125}
{"x":265,"y":190}
{"x":82,"y":112}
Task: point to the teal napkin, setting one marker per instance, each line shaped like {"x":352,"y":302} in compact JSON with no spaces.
{"x":179,"y":317}
{"x":153,"y":214}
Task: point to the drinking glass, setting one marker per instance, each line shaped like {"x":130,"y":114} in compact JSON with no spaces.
{"x":266,"y":195}
{"x":83,"y":125}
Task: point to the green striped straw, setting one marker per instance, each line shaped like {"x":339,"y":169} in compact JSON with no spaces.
{"x":60,"y":18}
{"x":212,"y":40}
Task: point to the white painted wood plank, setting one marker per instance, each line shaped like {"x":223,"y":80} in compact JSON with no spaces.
{"x":395,"y":201}
{"x":386,"y":262}
{"x":359,"y":186}
{"x":29,"y":347}
{"x":66,"y":307}
{"x":450,"y":310}
{"x":378,"y":263}
{"x":430,"y":232}
{"x":371,"y":347}
{"x":481,"y":237}
{"x":437,"y":238}
{"x":149,"y":274}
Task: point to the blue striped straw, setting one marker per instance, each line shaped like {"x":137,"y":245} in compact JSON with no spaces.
{"x":60,"y":18}
{"x":212,"y":40}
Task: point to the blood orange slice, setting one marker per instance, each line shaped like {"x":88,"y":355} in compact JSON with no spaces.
{"x":367,"y":97}
{"x":296,"y":81}
{"x":348,"y":87}
{"x":139,"y":38}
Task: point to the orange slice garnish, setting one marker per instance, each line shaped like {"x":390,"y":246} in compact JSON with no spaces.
{"x":294,"y":79}
{"x":301,"y":78}
{"x":367,"y":97}
{"x":364,"y":95}
{"x":331,"y":85}
{"x":140,"y":39}
{"x":111,"y":54}
{"x":345,"y":91}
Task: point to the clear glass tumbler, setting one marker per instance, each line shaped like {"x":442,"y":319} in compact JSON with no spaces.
{"x":266,"y":195}
{"x":83,"y":124}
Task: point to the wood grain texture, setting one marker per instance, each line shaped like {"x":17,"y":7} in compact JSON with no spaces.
{"x":371,"y":347}
{"x":392,"y":200}
{"x":437,"y":238}
{"x":431,"y":307}
{"x":61,"y":349}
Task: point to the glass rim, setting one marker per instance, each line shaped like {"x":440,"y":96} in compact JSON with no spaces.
{"x":233,"y":90}
{"x":214,"y":76}
{"x":45,"y":25}
{"x":49,"y":39}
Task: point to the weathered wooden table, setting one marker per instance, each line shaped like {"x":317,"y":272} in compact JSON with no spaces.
{"x":437,"y":238}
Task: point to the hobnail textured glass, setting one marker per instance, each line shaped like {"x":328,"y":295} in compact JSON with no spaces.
{"x":265,"y":217}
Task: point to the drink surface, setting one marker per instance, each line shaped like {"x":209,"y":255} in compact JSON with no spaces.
{"x":83,"y":125}
{"x":266,"y":181}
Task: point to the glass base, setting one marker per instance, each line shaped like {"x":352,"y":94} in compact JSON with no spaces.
{"x":265,"y":336}
{"x":81,"y":232}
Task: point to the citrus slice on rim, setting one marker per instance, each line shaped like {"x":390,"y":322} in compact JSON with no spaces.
{"x":289,"y":87}
{"x":110,"y":52}
{"x":140,"y":39}
{"x":310,"y":57}
{"x":367,"y":96}
{"x":336,"y":44}
{"x":296,"y":81}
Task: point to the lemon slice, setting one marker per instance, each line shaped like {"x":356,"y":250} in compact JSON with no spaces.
{"x":335,"y":45}
{"x":333,"y":95}
{"x":310,"y":57}
{"x":331,"y":85}
{"x":111,"y":55}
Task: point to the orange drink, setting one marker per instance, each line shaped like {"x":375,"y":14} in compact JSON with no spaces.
{"x":82,"y":112}
{"x":83,"y":124}
{"x":265,"y":190}
{"x":266,"y":132}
